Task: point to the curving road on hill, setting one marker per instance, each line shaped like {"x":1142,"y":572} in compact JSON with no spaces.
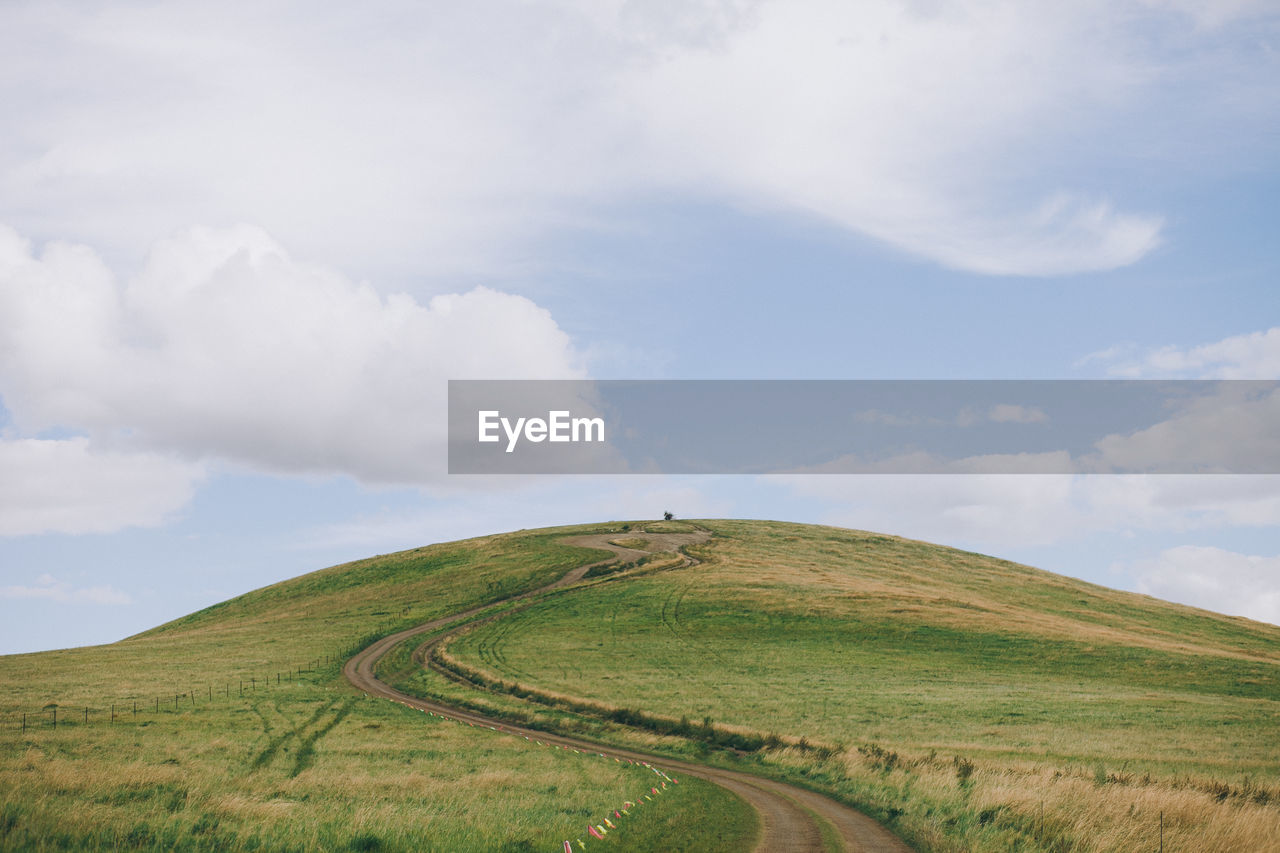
{"x":791,"y":819}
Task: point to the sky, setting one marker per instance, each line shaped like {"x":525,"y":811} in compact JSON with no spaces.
{"x":244,"y":246}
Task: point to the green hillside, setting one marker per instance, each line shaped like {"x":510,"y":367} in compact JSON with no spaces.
{"x":972,"y":702}
{"x":307,"y":762}
{"x":968,"y":702}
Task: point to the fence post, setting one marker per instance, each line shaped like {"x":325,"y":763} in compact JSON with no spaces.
{"x":113,"y":713}
{"x":86,"y":715}
{"x":135,"y":708}
{"x":1161,"y":832}
{"x":55,"y":717}
{"x":157,"y":704}
{"x":24,"y":724}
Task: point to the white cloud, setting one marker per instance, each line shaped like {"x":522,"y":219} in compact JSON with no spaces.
{"x":48,"y":588}
{"x":226,"y":347}
{"x":966,"y":417}
{"x":424,"y":139}
{"x":1215,"y":579}
{"x":67,"y":486}
{"x":1233,"y":429}
{"x":1010,"y":413}
{"x":1003,"y":510}
{"x":1255,"y":355}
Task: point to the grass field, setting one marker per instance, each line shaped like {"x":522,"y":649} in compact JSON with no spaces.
{"x":970,"y":703}
{"x":307,"y":763}
{"x":974,"y":703}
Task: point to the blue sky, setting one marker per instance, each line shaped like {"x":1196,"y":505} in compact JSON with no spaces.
{"x":242,"y":250}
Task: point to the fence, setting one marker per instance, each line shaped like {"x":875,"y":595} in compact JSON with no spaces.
{"x":56,"y":714}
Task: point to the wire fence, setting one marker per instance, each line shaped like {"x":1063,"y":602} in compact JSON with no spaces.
{"x":57,"y":715}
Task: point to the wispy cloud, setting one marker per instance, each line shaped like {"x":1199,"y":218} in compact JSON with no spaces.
{"x":961,"y":133}
{"x":1005,"y":510}
{"x":1213,"y":578}
{"x":1254,"y":355}
{"x":48,"y":588}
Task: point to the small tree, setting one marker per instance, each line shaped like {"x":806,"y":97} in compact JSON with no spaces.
{"x":666,"y":516}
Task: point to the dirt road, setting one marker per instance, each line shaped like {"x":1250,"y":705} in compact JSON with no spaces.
{"x":791,"y":818}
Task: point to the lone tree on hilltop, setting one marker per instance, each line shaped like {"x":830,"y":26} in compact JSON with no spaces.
{"x":666,"y":516}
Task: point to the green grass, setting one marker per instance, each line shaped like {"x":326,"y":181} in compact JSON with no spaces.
{"x":312,"y":769}
{"x":849,"y":639}
{"x":970,"y":703}
{"x":309,"y":763}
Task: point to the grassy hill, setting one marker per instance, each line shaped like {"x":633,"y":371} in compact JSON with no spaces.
{"x":970,"y":703}
{"x":247,"y":737}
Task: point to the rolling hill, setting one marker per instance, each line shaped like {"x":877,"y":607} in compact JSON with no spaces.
{"x":966,"y":702}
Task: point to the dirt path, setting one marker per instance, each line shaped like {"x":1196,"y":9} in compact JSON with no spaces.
{"x":792,"y":819}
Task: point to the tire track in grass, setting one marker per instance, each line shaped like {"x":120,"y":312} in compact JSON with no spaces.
{"x":307,"y":746}
{"x":266,"y":724}
{"x":671,"y":619}
{"x":506,"y":627}
{"x":274,"y":745}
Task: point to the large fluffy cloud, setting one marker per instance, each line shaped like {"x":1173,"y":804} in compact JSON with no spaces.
{"x":225,"y":347}
{"x":446,"y":138}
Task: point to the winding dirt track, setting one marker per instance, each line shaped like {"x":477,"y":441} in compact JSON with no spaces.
{"x":791,"y":818}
